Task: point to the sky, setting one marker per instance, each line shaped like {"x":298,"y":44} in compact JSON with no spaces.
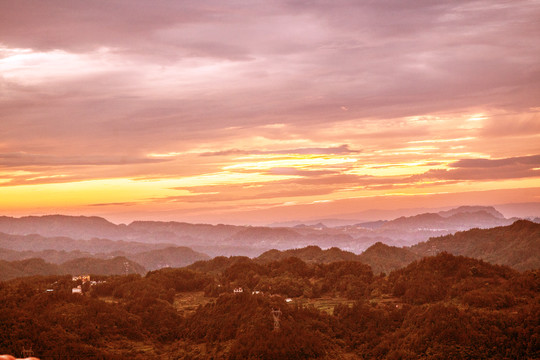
{"x":262,"y":111}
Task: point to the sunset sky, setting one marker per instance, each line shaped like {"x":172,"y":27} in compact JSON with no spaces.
{"x":262,"y":111}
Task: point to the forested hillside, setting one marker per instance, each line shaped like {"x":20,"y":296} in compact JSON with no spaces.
{"x":435,"y":308}
{"x":384,"y":258}
{"x":36,"y":266}
{"x":312,"y":254}
{"x":516,"y":245}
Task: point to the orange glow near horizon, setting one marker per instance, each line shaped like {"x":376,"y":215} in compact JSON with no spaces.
{"x":170,"y":194}
{"x":210,"y":118}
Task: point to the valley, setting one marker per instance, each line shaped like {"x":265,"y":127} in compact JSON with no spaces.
{"x":472,"y":291}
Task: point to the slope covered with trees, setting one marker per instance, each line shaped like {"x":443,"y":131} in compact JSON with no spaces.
{"x":36,"y":266}
{"x":312,"y":254}
{"x":436,"y":308}
{"x":516,"y":245}
{"x":384,"y":258}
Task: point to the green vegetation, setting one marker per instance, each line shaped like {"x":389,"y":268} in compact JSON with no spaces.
{"x":436,"y":308}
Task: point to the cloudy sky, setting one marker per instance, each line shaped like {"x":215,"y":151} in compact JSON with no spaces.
{"x":258,"y":111}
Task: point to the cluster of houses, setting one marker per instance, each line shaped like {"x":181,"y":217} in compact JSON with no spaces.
{"x":84,"y":279}
{"x":240,"y":290}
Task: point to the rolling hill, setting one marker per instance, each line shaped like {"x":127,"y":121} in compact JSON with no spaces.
{"x":229,"y":240}
{"x":516,"y":245}
{"x":384,"y":258}
{"x":31,"y":267}
{"x":309,"y":254}
{"x":440,"y":307}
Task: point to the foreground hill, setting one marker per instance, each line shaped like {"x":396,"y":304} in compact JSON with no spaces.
{"x":310,"y":254}
{"x":441,"y":307}
{"x":516,"y":245}
{"x":384,"y":259}
{"x":380,"y":257}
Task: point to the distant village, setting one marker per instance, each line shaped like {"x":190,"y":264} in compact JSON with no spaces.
{"x":84,"y":279}
{"x":240,"y":290}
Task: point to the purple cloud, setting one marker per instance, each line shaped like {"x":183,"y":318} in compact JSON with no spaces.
{"x":343,"y":149}
{"x":527,"y":161}
{"x":485,"y":169}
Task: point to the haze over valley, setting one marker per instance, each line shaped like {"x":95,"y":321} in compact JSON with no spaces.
{"x":305,"y":302}
{"x":153,"y":245}
{"x":269,"y":179}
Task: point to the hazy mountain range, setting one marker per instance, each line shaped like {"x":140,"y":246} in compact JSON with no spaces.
{"x":385,"y":245}
{"x":251,"y":241}
{"x":516,"y":245}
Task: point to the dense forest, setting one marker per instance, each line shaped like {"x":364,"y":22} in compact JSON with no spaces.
{"x":438,"y":307}
{"x":516,"y":245}
{"x":37,"y":266}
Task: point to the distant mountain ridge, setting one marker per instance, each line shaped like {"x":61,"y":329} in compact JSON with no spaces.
{"x":516,"y":245}
{"x":60,"y":249}
{"x":472,"y":209}
{"x":458,"y":220}
{"x":463,"y":217}
{"x":227,"y":240}
{"x":37,"y":242}
{"x":76,"y":227}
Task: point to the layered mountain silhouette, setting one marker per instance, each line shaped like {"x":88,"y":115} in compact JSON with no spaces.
{"x":58,"y":250}
{"x":384,"y":245}
{"x":516,"y":245}
{"x":381,"y":257}
{"x":251,"y":241}
{"x":449,"y":220}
